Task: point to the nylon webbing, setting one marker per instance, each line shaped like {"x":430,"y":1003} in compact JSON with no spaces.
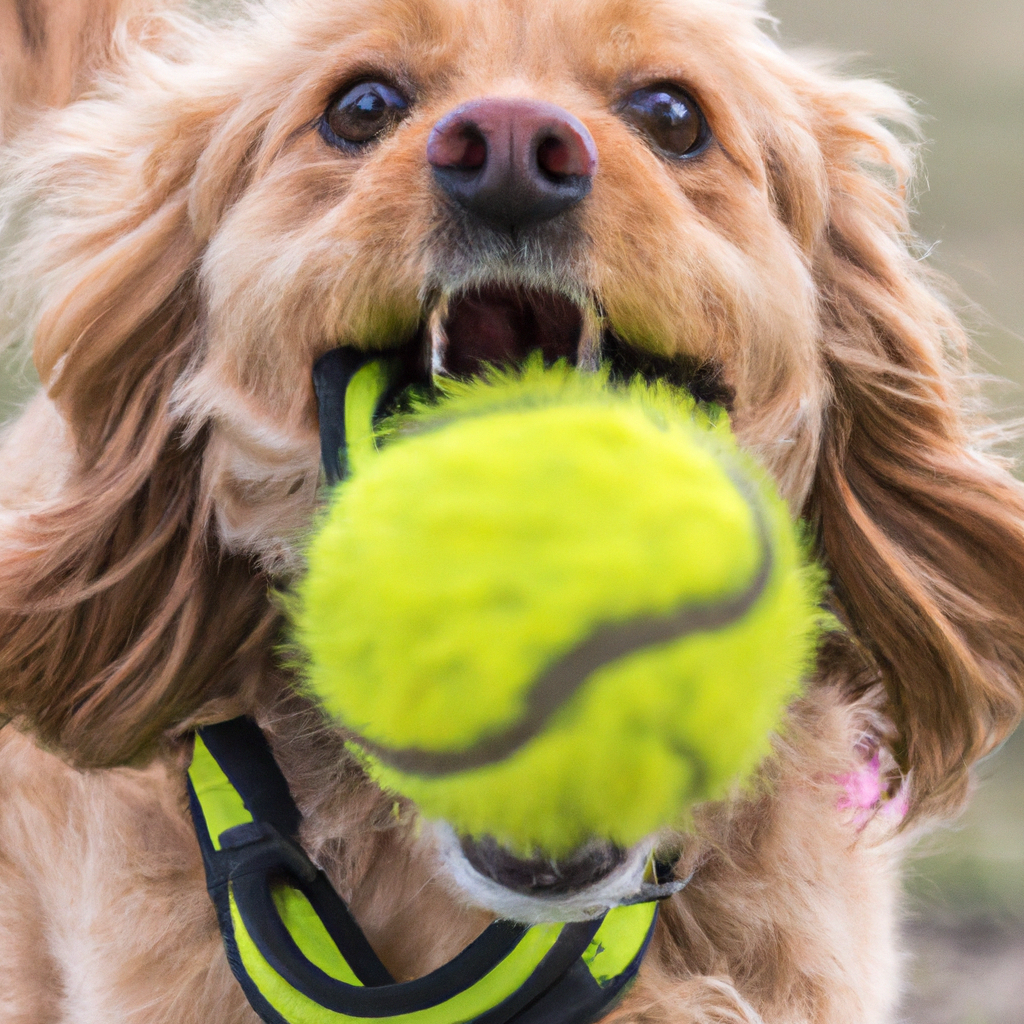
{"x":301,"y":958}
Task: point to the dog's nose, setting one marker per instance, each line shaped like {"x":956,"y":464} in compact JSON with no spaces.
{"x":512,"y":162}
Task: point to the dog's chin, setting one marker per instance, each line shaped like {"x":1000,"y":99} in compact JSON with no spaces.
{"x":539,"y":889}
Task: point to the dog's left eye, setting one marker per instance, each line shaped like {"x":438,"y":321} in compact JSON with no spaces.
{"x":669,"y":117}
{"x":361,"y":114}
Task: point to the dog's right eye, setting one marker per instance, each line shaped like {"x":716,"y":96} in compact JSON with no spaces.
{"x":669,"y":117}
{"x":362,"y":113}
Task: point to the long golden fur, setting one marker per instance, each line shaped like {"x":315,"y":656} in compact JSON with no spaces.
{"x":180,"y":246}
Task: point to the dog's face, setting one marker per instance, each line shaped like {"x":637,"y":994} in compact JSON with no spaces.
{"x":652,"y":183}
{"x":621,"y":204}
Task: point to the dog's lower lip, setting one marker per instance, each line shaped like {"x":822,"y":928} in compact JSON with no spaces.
{"x":501,"y":326}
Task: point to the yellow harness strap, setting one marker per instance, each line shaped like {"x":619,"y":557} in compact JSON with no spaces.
{"x":302,"y":959}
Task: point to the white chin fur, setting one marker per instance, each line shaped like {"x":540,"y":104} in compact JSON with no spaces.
{"x":616,"y":888}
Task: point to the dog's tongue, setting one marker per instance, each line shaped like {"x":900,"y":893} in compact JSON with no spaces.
{"x":500,"y":327}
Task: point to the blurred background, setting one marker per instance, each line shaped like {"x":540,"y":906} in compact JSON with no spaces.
{"x":963,"y":61}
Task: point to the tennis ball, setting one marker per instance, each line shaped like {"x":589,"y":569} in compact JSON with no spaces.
{"x":553,"y":609}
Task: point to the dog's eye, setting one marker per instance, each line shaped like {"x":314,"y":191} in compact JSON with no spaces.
{"x":361,"y":114}
{"x":669,"y":117}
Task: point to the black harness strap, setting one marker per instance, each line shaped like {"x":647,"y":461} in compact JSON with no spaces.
{"x":235,"y":777}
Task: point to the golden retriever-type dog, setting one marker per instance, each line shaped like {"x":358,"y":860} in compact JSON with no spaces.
{"x":197,"y":204}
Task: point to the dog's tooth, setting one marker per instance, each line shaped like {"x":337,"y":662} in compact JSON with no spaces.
{"x":438,"y":336}
{"x":588,"y":354}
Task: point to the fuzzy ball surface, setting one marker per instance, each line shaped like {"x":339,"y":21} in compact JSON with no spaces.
{"x":552,"y":609}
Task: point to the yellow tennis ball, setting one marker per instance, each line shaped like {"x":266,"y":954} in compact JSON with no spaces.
{"x":552,"y":609}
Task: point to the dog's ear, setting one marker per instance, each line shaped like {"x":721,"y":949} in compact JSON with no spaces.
{"x":120,"y":615}
{"x":922,"y":529}
{"x":49,"y":50}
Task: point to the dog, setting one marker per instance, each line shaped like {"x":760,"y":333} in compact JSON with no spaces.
{"x":197,"y":205}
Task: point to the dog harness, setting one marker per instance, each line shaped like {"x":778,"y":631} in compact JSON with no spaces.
{"x":301,"y":958}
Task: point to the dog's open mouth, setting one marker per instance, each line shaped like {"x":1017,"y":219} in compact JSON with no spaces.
{"x":500,"y":326}
{"x":543,"y":876}
{"x":597,"y":876}
{"x":462,"y":336}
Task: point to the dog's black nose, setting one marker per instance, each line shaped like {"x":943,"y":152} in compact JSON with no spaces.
{"x":512,"y":162}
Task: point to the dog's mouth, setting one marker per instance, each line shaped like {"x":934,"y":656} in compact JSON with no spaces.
{"x":586,"y":883}
{"x":500,"y":326}
{"x":539,"y":875}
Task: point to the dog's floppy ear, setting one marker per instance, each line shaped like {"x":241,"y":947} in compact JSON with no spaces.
{"x":50,"y":48}
{"x":921,"y":529}
{"x":119,"y":613}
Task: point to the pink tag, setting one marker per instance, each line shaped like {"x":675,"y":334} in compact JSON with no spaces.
{"x":863,"y":793}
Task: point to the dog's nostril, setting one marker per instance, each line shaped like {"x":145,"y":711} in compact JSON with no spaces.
{"x":475,"y":155}
{"x":462,"y":149}
{"x":556,"y":159}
